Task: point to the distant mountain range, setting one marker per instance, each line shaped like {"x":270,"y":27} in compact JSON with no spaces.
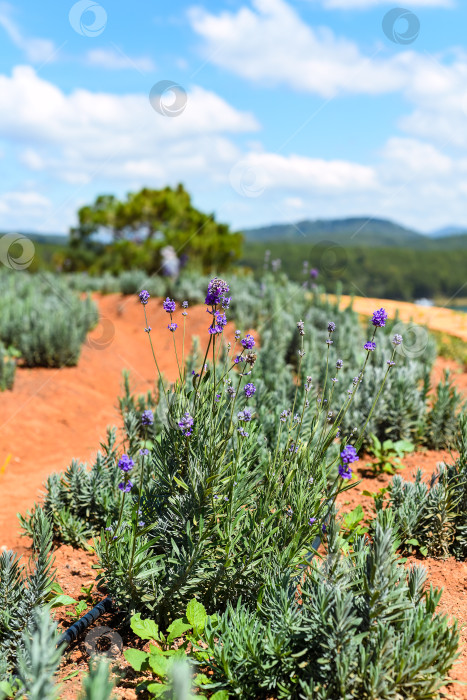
{"x":358,"y":232}
{"x":448,"y":231}
{"x":49,"y":238}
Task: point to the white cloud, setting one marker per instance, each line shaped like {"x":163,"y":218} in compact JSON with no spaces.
{"x":32,"y":202}
{"x":410,"y":157}
{"x":36,"y":50}
{"x":272,"y":45}
{"x":84,"y":132}
{"x":118,"y":60}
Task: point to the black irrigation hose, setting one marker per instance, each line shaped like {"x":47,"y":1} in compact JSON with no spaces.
{"x":72,"y":633}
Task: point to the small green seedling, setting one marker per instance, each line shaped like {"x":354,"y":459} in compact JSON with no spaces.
{"x":353,"y":524}
{"x":166,"y":650}
{"x":388,"y":454}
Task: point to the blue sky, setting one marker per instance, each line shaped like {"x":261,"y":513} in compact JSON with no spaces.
{"x":287,"y":109}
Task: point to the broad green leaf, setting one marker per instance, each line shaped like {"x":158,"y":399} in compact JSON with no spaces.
{"x":413,"y":541}
{"x":81,"y":607}
{"x":145,"y":629}
{"x":62,"y":600}
{"x":220,"y":695}
{"x":157,"y":689}
{"x":196,"y":615}
{"x":6,"y":688}
{"x":159,"y":664}
{"x":136,"y":658}
{"x":176,"y":629}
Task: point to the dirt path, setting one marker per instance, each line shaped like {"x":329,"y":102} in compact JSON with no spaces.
{"x":437,"y":318}
{"x":53,"y":416}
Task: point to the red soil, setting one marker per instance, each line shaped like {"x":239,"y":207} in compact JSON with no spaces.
{"x":53,"y":416}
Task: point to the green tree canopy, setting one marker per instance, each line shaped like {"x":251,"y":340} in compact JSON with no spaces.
{"x":152,"y":219}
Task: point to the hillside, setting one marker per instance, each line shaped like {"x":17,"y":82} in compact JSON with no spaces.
{"x":352,"y":232}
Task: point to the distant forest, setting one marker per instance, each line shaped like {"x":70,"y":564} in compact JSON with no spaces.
{"x":395,"y":273}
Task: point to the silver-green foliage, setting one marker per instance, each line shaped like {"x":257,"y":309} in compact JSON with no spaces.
{"x":78,"y":502}
{"x":432,"y":517}
{"x":7,"y":369}
{"x":43,"y":319}
{"x":23,"y":591}
{"x":359,"y":626}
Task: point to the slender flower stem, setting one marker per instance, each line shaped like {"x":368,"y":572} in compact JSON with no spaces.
{"x":358,"y":444}
{"x":154,"y":356}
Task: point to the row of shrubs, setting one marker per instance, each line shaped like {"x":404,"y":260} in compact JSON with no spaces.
{"x":42,"y":321}
{"x":224,"y":493}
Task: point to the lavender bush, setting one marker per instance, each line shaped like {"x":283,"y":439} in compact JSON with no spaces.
{"x":212,"y":504}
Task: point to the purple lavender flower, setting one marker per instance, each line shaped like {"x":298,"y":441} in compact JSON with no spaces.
{"x":172,"y":327}
{"x":329,"y":341}
{"x":125,"y":486}
{"x":249,"y":390}
{"x":349,"y":454}
{"x":186,"y":424}
{"x":147,"y":418}
{"x":226,"y":302}
{"x":144,"y":296}
{"x":144,"y":452}
{"x":248,"y":342}
{"x":245,"y":415}
{"x":397,"y":340}
{"x":125,"y":463}
{"x":148,"y":329}
{"x":345,"y":471}
{"x":276,"y":264}
{"x":231,"y":391}
{"x":218,"y":324}
{"x":339,"y":364}
{"x":217,"y":398}
{"x":237,"y":335}
{"x":184,"y":304}
{"x":141,"y":523}
{"x":311,"y":521}
{"x":390,"y":363}
{"x":238,"y":359}
{"x":370,"y":346}
{"x":379,"y":318}
{"x":301,"y":327}
{"x":169,"y":305}
{"x":216,"y":290}
{"x":334,"y":379}
{"x":243,"y":432}
{"x":331,"y":326}
{"x":323,"y":528}
{"x":283,"y":416}
{"x":314,"y":273}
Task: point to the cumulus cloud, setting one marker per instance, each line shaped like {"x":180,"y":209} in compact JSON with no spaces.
{"x":78,"y":135}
